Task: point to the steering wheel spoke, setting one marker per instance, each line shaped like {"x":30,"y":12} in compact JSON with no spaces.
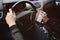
{"x":23,"y":13}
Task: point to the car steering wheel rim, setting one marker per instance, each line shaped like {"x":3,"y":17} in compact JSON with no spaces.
{"x":33,"y":16}
{"x":34,"y":8}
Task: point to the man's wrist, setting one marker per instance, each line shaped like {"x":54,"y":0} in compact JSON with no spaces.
{"x":10,"y":25}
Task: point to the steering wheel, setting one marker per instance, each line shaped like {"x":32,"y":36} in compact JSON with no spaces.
{"x":17,"y":7}
{"x":25,"y":17}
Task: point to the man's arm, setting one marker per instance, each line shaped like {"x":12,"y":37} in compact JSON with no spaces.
{"x":15,"y":33}
{"x":10,"y":19}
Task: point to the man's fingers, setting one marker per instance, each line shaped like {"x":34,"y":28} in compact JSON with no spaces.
{"x":14,"y":14}
{"x":10,"y":11}
{"x":7,"y":14}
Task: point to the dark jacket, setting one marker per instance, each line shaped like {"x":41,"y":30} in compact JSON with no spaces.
{"x":34,"y":34}
{"x":15,"y":33}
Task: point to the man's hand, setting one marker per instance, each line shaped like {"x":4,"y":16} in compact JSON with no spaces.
{"x":41,"y":15}
{"x":10,"y":18}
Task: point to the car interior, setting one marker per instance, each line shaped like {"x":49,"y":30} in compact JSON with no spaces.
{"x":26,"y":13}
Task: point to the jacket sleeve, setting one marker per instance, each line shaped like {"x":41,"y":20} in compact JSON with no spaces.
{"x":16,"y":33}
